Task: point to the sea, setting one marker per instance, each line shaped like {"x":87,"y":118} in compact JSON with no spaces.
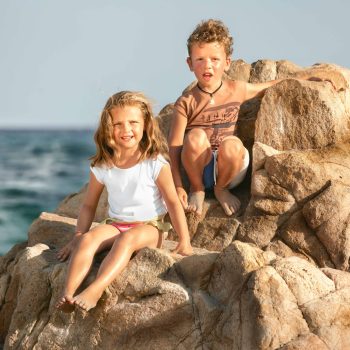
{"x":38,"y":169}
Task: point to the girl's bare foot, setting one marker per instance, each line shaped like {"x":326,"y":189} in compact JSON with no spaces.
{"x":87,"y":299}
{"x":66,"y":304}
{"x":195,"y":202}
{"x":228,"y":201}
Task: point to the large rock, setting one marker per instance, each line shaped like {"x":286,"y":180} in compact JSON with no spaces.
{"x":70,"y":206}
{"x":276,"y":276}
{"x":160,"y":301}
{"x":303,"y":197}
{"x":300,"y":115}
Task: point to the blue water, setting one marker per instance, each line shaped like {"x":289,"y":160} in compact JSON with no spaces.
{"x":37,"y":170}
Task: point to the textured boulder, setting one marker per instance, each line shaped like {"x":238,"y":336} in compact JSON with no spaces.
{"x":243,"y":298}
{"x":70,"y":206}
{"x":297,"y":114}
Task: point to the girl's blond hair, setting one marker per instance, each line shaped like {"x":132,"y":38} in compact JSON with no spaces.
{"x":152,"y":142}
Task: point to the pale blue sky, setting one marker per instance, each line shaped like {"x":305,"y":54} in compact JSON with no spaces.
{"x":61,"y":59}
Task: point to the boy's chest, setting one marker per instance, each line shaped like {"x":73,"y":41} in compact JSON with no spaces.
{"x":217,"y":114}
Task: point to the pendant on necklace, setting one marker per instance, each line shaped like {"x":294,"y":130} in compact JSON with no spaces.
{"x":211,"y":94}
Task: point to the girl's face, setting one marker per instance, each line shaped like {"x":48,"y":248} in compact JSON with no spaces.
{"x":208,"y":62}
{"x":128,"y":126}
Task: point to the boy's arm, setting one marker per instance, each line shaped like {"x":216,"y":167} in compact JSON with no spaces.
{"x":176,"y":212}
{"x":258,"y":89}
{"x":175,"y":141}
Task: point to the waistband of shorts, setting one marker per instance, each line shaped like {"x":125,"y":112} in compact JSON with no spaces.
{"x":160,"y":222}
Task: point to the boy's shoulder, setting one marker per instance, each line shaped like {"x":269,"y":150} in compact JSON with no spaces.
{"x":237,"y":89}
{"x":236,"y":84}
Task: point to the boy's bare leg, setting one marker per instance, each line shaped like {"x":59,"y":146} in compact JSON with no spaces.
{"x":124,"y":245}
{"x":196,"y":154}
{"x":229,"y":162}
{"x":98,"y":239}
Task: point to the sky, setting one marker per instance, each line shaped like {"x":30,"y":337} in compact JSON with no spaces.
{"x":60,"y":60}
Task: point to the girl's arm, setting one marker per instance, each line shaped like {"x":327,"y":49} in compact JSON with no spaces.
{"x":86,"y":215}
{"x":167,"y":188}
{"x":89,"y":206}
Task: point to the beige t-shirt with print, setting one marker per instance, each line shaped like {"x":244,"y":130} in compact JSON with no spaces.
{"x":218,"y":120}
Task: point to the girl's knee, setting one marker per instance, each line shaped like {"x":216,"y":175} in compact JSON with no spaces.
{"x":127,"y":240}
{"x":85,"y":240}
{"x":91,"y":238}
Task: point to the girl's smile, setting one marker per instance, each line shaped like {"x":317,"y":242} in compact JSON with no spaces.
{"x":128,"y":126}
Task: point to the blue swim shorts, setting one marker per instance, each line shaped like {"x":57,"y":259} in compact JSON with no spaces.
{"x":210,"y":172}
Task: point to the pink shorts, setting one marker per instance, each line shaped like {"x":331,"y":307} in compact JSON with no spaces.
{"x":124,"y":226}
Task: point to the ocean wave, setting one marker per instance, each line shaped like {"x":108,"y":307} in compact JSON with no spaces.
{"x":39,"y":169}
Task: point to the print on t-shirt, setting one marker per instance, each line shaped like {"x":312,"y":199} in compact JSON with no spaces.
{"x":218,"y":122}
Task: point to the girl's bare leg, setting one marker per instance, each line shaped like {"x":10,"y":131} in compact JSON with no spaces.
{"x":196,"y":154}
{"x":229,"y":162}
{"x":92,"y":242}
{"x":125,"y":244}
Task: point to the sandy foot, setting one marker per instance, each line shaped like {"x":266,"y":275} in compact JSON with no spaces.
{"x":66,"y":304}
{"x":195,"y":202}
{"x":228,"y":201}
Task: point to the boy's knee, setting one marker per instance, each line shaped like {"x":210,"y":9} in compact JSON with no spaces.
{"x":231,"y":149}
{"x":196,"y":139}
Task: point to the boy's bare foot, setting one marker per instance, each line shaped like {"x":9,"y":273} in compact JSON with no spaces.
{"x":87,"y":299}
{"x":228,"y":201}
{"x":66,"y":304}
{"x":195,"y":202}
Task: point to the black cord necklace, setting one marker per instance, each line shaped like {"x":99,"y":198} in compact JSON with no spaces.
{"x":211,"y":94}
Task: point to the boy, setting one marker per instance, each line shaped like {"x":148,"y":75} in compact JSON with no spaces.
{"x":203,"y":132}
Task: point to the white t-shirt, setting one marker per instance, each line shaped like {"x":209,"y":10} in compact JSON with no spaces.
{"x":132,"y":193}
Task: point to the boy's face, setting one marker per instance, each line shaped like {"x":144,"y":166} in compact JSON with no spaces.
{"x":208,"y":62}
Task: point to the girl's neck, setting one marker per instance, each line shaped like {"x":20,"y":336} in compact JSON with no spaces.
{"x":128,"y":158}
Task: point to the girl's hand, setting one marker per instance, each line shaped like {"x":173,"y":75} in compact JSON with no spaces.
{"x":66,"y":251}
{"x":183,"y":248}
{"x":181,"y":193}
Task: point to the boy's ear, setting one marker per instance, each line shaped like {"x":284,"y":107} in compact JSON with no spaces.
{"x":189,"y":63}
{"x":228,"y":63}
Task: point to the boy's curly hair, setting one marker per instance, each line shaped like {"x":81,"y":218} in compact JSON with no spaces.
{"x":153,"y":142}
{"x":211,"y":31}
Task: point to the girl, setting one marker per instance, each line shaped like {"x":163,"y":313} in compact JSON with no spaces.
{"x":138,"y":180}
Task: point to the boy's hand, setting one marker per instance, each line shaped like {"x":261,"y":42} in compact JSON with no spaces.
{"x":66,"y":251}
{"x":181,"y":193}
{"x":183,"y":248}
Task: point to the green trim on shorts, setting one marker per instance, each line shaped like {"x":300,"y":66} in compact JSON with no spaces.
{"x":158,"y":222}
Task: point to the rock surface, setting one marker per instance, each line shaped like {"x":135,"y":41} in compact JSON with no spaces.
{"x":276,"y":276}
